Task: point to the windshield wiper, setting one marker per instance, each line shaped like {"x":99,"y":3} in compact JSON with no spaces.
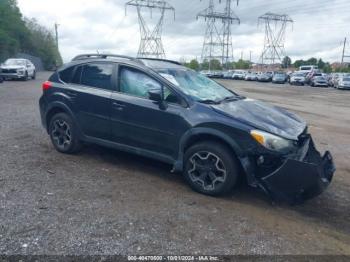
{"x":232,"y":98}
{"x":209,"y":102}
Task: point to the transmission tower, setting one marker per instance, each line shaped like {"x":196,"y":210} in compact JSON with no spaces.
{"x":151,"y":39}
{"x":275,"y":36}
{"x":344,"y":55}
{"x":218,"y":38}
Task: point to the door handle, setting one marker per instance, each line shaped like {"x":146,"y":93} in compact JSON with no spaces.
{"x":118,"y":106}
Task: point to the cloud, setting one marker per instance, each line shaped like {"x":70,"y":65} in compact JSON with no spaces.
{"x":87,"y":26}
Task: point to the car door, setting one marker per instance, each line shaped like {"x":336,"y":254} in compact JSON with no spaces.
{"x":141,"y":123}
{"x":90,"y":89}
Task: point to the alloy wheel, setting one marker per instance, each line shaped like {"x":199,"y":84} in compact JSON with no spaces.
{"x":207,"y":170}
{"x":61,"y":134}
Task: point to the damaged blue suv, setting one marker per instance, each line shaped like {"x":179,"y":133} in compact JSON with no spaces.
{"x":162,"y":110}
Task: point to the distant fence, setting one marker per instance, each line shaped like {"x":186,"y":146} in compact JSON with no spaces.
{"x":35,"y":60}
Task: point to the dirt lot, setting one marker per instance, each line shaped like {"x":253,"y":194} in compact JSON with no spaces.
{"x":106,"y":202}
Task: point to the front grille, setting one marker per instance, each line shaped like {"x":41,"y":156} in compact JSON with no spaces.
{"x":9,"y":71}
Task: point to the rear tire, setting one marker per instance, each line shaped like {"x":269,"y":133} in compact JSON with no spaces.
{"x":64,"y":134}
{"x":211,"y":168}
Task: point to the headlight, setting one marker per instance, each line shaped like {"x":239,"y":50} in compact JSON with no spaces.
{"x":272,"y":142}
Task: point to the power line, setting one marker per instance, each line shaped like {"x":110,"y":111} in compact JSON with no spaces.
{"x":151,"y":40}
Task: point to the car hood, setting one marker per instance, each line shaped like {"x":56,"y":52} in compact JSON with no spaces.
{"x":264,"y":117}
{"x":12,"y":67}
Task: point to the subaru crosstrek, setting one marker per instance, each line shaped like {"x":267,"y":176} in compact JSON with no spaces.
{"x":162,"y":110}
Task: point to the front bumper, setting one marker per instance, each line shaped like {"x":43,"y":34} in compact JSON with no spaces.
{"x":11,"y":76}
{"x":300,"y":177}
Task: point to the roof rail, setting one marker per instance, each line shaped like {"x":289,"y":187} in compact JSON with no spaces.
{"x":159,"y":59}
{"x":102,"y":56}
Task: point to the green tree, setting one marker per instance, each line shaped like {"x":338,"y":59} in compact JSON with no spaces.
{"x":320,"y":64}
{"x":312,"y":61}
{"x":242,"y":64}
{"x":27,"y":36}
{"x":286,"y":62}
{"x":193,"y":64}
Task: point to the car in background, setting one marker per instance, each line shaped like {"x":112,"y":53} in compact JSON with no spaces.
{"x":297,"y":78}
{"x":333,"y":81}
{"x":308,"y":68}
{"x":227,"y":74}
{"x":310,"y":76}
{"x":251,"y":77}
{"x":343,"y":82}
{"x":320,"y":81}
{"x":15,"y":68}
{"x":263,"y":77}
{"x":279,"y":78}
{"x":238,"y":74}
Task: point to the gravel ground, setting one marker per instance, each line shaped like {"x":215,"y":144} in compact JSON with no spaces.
{"x":103,"y":201}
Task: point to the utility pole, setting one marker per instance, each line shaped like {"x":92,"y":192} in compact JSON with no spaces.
{"x":218,"y":40}
{"x":344,"y":54}
{"x":275,"y":36}
{"x":151,"y":40}
{"x":56,"y":33}
{"x":250,"y":56}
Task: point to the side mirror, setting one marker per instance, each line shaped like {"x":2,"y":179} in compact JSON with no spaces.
{"x":155,"y":95}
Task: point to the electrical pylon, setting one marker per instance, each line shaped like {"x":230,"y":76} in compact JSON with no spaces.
{"x":275,"y":36}
{"x":218,"y":38}
{"x":151,"y":40}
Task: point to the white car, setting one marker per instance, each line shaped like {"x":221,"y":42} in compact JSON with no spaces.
{"x":297,"y":78}
{"x":17,"y":69}
{"x":238,"y":74}
{"x":343,"y":83}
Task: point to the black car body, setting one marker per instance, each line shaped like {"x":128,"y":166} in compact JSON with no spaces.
{"x":178,"y":123}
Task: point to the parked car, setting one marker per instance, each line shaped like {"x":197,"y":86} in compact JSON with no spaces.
{"x":319,"y":81}
{"x":227,"y":74}
{"x":238,"y":75}
{"x":17,"y":69}
{"x":270,"y":74}
{"x":263,"y":78}
{"x":1,"y":80}
{"x":279,"y":78}
{"x":297,"y":78}
{"x":163,"y":110}
{"x":251,"y":77}
{"x":343,"y":83}
{"x":310,"y":76}
{"x":334,"y":79}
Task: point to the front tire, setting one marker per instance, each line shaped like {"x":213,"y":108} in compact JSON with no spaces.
{"x":211,"y":168}
{"x":34,"y":75}
{"x":64,"y":134}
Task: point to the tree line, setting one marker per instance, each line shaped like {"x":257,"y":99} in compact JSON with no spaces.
{"x":21,"y":35}
{"x":244,"y":64}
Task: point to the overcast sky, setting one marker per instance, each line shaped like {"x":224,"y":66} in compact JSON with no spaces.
{"x":89,"y":25}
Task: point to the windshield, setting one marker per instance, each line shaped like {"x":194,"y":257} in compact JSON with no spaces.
{"x":299,"y":75}
{"x":14,"y":62}
{"x":197,"y":86}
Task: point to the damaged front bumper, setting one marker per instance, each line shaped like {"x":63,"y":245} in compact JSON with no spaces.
{"x":301,"y":176}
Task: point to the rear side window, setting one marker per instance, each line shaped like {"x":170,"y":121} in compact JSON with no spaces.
{"x":98,"y":75}
{"x":66,"y":74}
{"x":77,"y":75}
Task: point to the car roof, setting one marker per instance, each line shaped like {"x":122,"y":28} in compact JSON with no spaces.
{"x":153,"y":63}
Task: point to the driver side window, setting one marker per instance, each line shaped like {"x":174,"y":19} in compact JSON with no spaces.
{"x":136,"y":83}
